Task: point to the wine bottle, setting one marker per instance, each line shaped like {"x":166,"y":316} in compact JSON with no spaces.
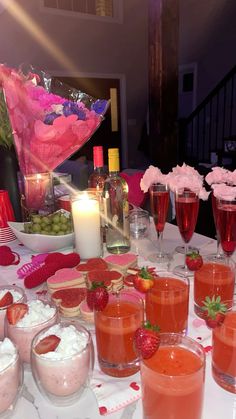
{"x":116,"y":207}
{"x":97,"y":178}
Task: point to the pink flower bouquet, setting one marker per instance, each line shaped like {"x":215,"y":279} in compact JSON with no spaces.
{"x":47,"y":127}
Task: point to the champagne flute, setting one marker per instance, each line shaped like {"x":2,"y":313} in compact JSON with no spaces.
{"x":186,"y":207}
{"x":227,"y":225}
{"x":159,"y":202}
{"x":218,"y":256}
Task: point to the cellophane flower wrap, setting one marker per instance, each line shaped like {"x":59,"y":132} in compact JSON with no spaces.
{"x":48,"y":128}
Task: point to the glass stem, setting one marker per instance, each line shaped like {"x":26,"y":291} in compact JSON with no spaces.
{"x":218,"y":254}
{"x":185,"y":254}
{"x":159,"y":243}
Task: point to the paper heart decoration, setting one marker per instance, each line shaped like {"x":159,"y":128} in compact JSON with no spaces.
{"x":134,"y":386}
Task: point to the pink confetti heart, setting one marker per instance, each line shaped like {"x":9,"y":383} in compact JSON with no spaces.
{"x":134,"y":386}
{"x":103,"y":410}
{"x":207,"y":348}
{"x":198,"y":322}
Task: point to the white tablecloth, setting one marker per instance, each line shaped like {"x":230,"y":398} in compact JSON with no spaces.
{"x":218,"y":403}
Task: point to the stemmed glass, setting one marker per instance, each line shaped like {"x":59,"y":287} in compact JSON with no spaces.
{"x":159,"y":202}
{"x":218,"y":256}
{"x":186,"y":207}
{"x":226,"y":222}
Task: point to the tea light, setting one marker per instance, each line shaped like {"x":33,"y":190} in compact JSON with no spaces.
{"x":86,"y":220}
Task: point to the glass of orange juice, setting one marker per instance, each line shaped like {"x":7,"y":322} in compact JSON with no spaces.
{"x":224,"y":352}
{"x":172,"y":379}
{"x":167,"y":303}
{"x":115,"y":327}
{"x":213,"y":279}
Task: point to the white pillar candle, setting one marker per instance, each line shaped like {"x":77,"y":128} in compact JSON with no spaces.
{"x":86,"y":220}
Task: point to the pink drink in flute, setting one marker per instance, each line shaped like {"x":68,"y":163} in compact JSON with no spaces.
{"x":218,"y":255}
{"x":186,"y":207}
{"x":159,"y":202}
{"x":227,"y":225}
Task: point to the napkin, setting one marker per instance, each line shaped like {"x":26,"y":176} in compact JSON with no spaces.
{"x":113,"y":393}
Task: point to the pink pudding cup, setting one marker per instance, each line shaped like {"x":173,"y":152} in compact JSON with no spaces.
{"x":18,"y":295}
{"x":63,"y":374}
{"x":11,"y":378}
{"x":40,"y":315}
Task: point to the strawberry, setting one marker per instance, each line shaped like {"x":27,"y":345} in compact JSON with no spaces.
{"x":194,"y":261}
{"x":16,"y":311}
{"x":146,"y":340}
{"x":47,"y":344}
{"x":97,"y":296}
{"x":214,"y":311}
{"x":6,"y":300}
{"x":143,"y":280}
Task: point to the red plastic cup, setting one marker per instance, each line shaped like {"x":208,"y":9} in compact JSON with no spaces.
{"x":64,"y":203}
{"x":6,"y":210}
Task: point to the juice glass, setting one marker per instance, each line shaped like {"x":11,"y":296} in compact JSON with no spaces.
{"x":115,"y":327}
{"x":172,"y":379}
{"x":213,"y":279}
{"x":224,"y":352}
{"x":167,"y":303}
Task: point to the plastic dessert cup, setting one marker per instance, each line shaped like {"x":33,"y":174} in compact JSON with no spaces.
{"x":11,"y":378}
{"x":224,"y":353}
{"x":22,"y":336}
{"x":62,"y":375}
{"x":213,"y":279}
{"x":172,"y":379}
{"x":115,"y":327}
{"x":167,"y":303}
{"x":18,"y":295}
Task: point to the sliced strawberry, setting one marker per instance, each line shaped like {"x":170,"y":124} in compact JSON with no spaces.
{"x":97,"y":296}
{"x":16,"y":311}
{"x":47,"y":344}
{"x":6,"y":300}
{"x":214,"y":311}
{"x":146,"y":340}
{"x":194,"y":261}
{"x":143,"y":280}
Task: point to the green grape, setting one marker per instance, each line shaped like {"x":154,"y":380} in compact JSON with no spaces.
{"x":56,"y":219}
{"x":60,"y":233}
{"x":46,"y":220}
{"x":36,"y":219}
{"x":43,"y":232}
{"x":55,"y":228}
{"x":63,"y":227}
{"x":64,"y":219}
{"x":36,"y":228}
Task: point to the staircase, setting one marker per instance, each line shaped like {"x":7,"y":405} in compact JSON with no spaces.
{"x":211,"y":127}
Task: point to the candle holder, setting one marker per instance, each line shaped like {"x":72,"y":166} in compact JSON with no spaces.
{"x":37,"y":196}
{"x":87,"y":224}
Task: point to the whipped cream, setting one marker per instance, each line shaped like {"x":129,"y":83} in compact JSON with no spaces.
{"x":72,"y":341}
{"x":38,"y":313}
{"x":8,"y":353}
{"x":15,"y":294}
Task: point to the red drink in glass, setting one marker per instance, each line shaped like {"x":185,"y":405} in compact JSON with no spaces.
{"x":159,"y":202}
{"x":213,"y":279}
{"x":167,"y":304}
{"x":173,"y":379}
{"x":224,"y":353}
{"x":227,"y":225}
{"x":186,"y":214}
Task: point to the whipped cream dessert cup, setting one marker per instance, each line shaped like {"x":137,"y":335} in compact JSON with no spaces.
{"x":63,"y":374}
{"x":11,"y":377}
{"x":40,"y":315}
{"x":18,"y":295}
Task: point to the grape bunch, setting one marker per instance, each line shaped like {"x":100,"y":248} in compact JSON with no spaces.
{"x":56,"y":224}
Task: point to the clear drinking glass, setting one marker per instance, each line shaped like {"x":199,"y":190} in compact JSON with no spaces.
{"x":139,"y":220}
{"x":172,"y":380}
{"x":159,"y":201}
{"x":186,"y":207}
{"x":115,"y":327}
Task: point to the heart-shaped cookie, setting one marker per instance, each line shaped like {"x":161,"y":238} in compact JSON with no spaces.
{"x":69,"y":300}
{"x":91,"y":265}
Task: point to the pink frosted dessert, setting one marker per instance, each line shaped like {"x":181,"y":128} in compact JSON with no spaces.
{"x":11,"y":376}
{"x":65,"y":278}
{"x":121,"y":262}
{"x":18,"y":296}
{"x":39,"y":316}
{"x":63,"y":373}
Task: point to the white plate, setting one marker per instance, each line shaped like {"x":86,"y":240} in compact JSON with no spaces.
{"x":41,"y":243}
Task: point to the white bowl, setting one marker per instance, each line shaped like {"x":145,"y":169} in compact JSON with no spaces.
{"x":41,"y":243}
